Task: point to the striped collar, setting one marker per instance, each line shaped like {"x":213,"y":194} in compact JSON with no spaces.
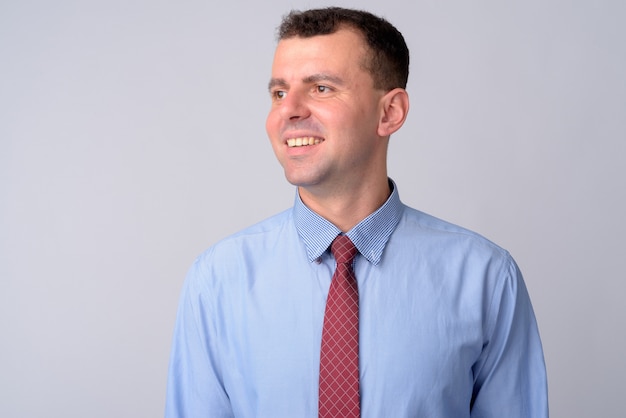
{"x":369,"y":236}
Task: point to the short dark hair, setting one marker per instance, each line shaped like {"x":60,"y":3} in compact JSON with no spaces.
{"x":389,"y":58}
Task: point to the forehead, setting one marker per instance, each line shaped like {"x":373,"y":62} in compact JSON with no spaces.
{"x":342,"y":50}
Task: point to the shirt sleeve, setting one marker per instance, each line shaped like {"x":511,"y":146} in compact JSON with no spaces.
{"x":509,"y":376}
{"x":194,"y":387}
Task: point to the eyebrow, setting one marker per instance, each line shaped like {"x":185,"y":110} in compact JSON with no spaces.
{"x":323,"y":77}
{"x":314,"y":78}
{"x":276,"y":82}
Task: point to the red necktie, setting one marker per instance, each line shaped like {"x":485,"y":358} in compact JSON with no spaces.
{"x":339,"y":358}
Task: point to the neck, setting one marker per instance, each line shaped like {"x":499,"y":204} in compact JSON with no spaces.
{"x":345,"y":206}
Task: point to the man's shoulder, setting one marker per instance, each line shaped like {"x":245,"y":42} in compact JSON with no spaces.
{"x":246,"y":248}
{"x":270,"y":225}
{"x":423,"y":226}
{"x":254,"y":236}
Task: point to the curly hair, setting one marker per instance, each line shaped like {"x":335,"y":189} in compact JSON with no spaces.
{"x":388,"y":62}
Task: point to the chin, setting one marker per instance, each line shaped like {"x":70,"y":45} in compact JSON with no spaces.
{"x":299,"y":181}
{"x":304,"y":176}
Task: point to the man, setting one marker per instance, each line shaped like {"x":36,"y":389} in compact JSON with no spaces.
{"x":445,"y":327}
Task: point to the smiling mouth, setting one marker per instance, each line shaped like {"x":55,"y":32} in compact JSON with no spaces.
{"x":303,"y":141}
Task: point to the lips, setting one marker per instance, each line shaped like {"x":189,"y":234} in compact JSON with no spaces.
{"x":303,"y":141}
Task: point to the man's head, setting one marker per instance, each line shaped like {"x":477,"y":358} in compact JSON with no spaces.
{"x":388,"y":60}
{"x":330,"y":121}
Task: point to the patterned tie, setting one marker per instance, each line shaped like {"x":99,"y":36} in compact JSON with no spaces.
{"x":339,"y":357}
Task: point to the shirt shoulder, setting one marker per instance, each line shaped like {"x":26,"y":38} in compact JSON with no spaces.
{"x":245,"y":249}
{"x":425,"y":227}
{"x":266,"y":226}
{"x":266,"y":229}
{"x":460,"y":259}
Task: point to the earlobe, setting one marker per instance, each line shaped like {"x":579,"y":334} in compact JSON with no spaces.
{"x":395,"y":107}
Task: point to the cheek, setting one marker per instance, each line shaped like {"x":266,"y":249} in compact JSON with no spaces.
{"x":273,"y":132}
{"x":270,"y":123}
{"x":272,"y":128}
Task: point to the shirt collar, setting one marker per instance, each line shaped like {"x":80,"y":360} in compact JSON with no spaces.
{"x":369,"y":236}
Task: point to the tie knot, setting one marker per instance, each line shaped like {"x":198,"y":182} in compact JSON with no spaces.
{"x":343,"y":249}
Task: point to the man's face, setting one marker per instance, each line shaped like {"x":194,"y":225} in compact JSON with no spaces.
{"x":325,"y":112}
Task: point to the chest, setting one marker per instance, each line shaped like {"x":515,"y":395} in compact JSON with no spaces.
{"x":420,"y":334}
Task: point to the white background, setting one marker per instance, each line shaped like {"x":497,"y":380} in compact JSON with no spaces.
{"x":132,"y":137}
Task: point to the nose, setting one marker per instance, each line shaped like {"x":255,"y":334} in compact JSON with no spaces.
{"x":294,"y":106}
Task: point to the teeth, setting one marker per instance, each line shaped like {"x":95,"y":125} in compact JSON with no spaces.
{"x":304,"y":141}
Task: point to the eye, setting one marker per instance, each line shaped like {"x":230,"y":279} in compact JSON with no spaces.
{"x":279,"y":94}
{"x":322,"y":89}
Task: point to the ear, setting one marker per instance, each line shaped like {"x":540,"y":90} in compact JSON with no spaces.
{"x":395,"y":107}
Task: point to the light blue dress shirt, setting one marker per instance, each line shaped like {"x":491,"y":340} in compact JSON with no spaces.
{"x":446,"y":325}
